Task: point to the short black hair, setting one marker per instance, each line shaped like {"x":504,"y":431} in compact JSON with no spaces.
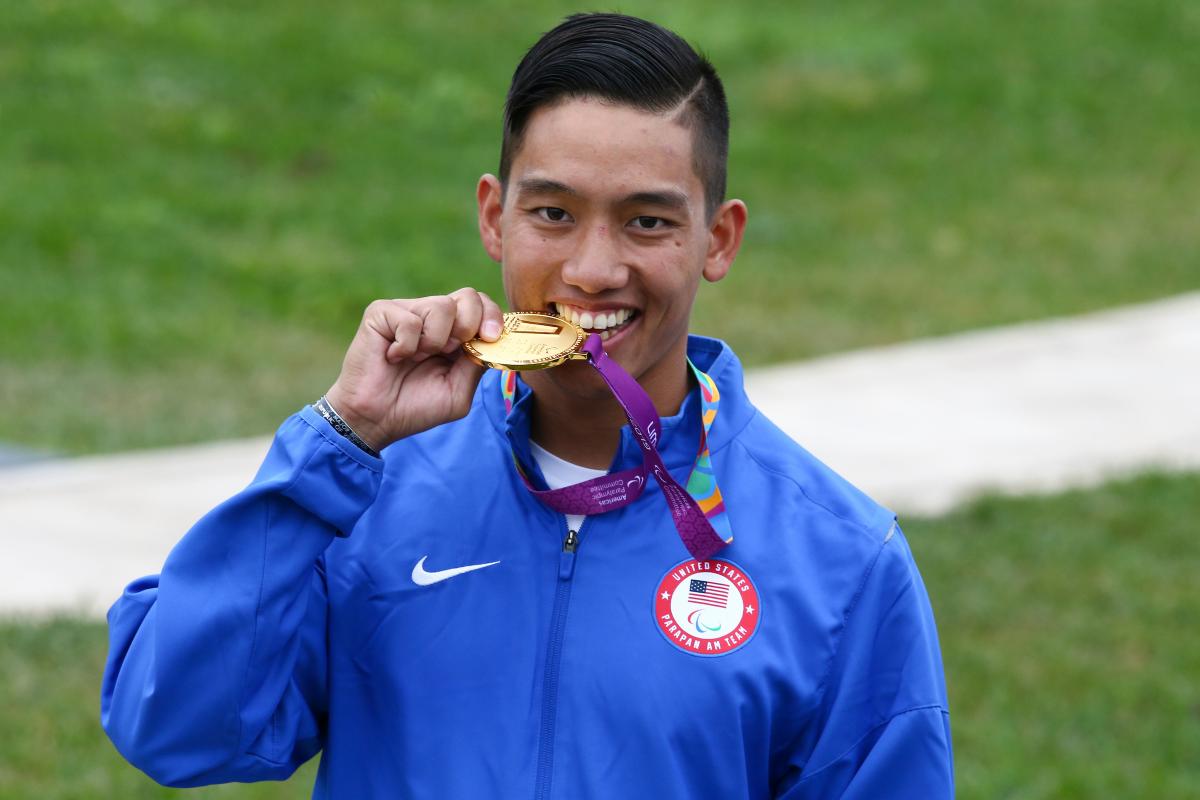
{"x":628,"y":61}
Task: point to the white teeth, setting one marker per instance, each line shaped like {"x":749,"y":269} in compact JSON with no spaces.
{"x":568,"y":313}
{"x":593,"y":321}
{"x":604,"y":335}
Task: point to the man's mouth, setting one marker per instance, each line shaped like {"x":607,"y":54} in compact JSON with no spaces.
{"x":605,"y":321}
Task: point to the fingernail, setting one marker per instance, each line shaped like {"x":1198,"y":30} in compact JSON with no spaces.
{"x":491,"y":329}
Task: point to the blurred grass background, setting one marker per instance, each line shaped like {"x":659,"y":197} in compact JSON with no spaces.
{"x":197,"y":200}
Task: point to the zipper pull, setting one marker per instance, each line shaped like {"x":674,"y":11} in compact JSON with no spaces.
{"x":566,"y":561}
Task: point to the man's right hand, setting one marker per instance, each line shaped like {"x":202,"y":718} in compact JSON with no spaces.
{"x":405,"y":371}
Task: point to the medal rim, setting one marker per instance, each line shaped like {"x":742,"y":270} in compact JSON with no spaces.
{"x":545,"y":362}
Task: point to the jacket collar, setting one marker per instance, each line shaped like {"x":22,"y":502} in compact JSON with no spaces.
{"x":680,"y":433}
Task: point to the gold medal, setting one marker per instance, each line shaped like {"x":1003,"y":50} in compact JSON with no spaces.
{"x":530,"y":340}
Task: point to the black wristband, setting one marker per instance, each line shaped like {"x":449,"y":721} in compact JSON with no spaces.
{"x":323,"y":408}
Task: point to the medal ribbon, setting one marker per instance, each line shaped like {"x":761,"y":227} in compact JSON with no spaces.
{"x":698,"y":511}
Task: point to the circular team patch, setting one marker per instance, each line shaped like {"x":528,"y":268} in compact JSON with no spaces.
{"x":707,"y":608}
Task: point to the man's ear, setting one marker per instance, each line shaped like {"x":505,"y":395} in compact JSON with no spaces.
{"x":724,"y":239}
{"x":489,"y":196}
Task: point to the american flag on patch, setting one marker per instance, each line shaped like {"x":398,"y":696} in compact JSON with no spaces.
{"x":708,"y":593}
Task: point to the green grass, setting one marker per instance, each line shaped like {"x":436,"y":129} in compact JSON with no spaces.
{"x":51,"y":743}
{"x":1068,"y":632}
{"x":1067,"y":627}
{"x":198,"y":199}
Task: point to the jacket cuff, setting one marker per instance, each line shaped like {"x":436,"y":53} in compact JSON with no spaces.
{"x":338,"y":481}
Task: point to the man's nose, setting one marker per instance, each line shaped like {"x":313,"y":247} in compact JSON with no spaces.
{"x":596,"y":264}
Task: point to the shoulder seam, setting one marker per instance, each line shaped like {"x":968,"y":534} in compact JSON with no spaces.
{"x":873,"y":728}
{"x":856,"y":523}
{"x":819,"y":696}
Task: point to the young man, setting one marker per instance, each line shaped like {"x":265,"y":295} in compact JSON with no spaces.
{"x":439,"y":632}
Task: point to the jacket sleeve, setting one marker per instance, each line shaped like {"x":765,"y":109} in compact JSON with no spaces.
{"x":883,"y":728}
{"x":216,"y":668}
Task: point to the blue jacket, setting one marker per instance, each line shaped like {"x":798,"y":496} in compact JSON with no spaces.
{"x":287,"y":622}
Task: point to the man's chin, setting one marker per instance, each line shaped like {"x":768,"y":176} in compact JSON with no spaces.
{"x":581,"y":378}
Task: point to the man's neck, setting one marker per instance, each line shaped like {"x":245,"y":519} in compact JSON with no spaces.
{"x":581,"y":421}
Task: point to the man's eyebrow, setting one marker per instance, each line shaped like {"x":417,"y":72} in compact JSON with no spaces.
{"x":543,"y":186}
{"x":663,"y":198}
{"x":667,"y":198}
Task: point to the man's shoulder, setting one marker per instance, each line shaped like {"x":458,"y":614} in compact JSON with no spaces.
{"x":792,"y":475}
{"x":806,"y":525}
{"x":771,"y":477}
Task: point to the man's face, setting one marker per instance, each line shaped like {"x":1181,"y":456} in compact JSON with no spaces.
{"x":603,"y":222}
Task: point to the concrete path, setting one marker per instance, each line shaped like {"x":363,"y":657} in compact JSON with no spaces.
{"x":1037,"y":407}
{"x":921,"y":426}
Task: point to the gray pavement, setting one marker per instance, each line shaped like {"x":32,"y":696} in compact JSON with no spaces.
{"x":1030,"y":408}
{"x":921,"y":426}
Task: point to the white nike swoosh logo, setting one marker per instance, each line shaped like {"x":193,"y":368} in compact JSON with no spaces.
{"x":423,"y":578}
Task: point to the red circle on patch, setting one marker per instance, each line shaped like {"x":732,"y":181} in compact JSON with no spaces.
{"x":707,"y":608}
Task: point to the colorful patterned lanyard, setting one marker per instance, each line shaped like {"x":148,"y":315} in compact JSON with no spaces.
{"x":702,"y":482}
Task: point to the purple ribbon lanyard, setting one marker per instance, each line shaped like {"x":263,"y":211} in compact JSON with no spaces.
{"x":619,"y":489}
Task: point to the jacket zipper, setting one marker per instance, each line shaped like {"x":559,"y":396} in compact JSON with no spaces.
{"x":558,"y":624}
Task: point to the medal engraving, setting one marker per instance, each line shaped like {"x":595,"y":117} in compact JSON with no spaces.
{"x":530,"y":340}
{"x":537,"y":349}
{"x":524,"y":326}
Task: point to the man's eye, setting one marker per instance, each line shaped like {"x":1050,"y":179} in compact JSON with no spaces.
{"x":645,"y":223}
{"x":552,"y":214}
